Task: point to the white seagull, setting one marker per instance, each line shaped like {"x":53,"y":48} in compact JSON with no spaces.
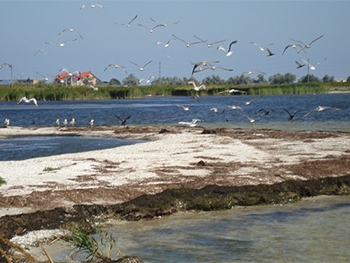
{"x":151,"y":30}
{"x":72,"y":122}
{"x":313,"y":67}
{"x":92,"y":5}
{"x":41,"y":51}
{"x":7,"y":122}
{"x":116,"y":66}
{"x":143,"y":67}
{"x":164,"y":24}
{"x":187,"y":43}
{"x":185,"y":108}
{"x":165,"y":44}
{"x":195,"y":87}
{"x":229,"y":51}
{"x":127,"y":24}
{"x":295,"y":47}
{"x":320,"y":108}
{"x":70,"y":30}
{"x":308,"y":45}
{"x":24,"y":99}
{"x":147,"y":80}
{"x":209,"y":45}
{"x":232,"y":91}
{"x":61,"y":44}
{"x":232,"y":107}
{"x":91,"y":123}
{"x":193,"y":123}
{"x":250,"y":72}
{"x":260,"y":47}
{"x":57,"y":122}
{"x":251,"y":120}
{"x":65,"y":122}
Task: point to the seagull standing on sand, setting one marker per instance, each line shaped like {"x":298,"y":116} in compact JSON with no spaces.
{"x":91,"y":123}
{"x":24,"y":99}
{"x":229,"y":51}
{"x":127,"y":24}
{"x":7,"y":122}
{"x":320,"y":108}
{"x":65,"y":122}
{"x":72,"y":122}
{"x":143,"y":67}
{"x":57,"y":122}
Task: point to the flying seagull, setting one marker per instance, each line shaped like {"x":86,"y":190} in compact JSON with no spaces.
{"x":270,"y":53}
{"x":308,"y":45}
{"x":313,"y":67}
{"x":92,"y":5}
{"x":260,"y":47}
{"x":24,"y":99}
{"x":202,"y":63}
{"x":299,"y":65}
{"x":165,"y":44}
{"x":228,"y":52}
{"x":249,"y":101}
{"x":147,"y":80}
{"x":70,"y":30}
{"x":250,"y":72}
{"x":164,"y":24}
{"x":143,"y":67}
{"x":232,"y":107}
{"x":61,"y":44}
{"x":251,"y":120}
{"x":41,"y":51}
{"x":151,"y":30}
{"x":188,"y":44}
{"x":320,"y":108}
{"x":193,"y":123}
{"x":127,"y":24}
{"x":209,"y":45}
{"x":116,"y":66}
{"x":195,"y":87}
{"x":295,"y":47}
{"x":123,"y":121}
{"x":185,"y":108}
{"x":291,"y":115}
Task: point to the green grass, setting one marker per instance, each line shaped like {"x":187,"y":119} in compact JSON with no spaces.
{"x":49,"y":92}
{"x":2,"y":181}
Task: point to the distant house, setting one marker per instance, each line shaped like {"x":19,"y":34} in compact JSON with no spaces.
{"x":82,"y":79}
{"x":5,"y":81}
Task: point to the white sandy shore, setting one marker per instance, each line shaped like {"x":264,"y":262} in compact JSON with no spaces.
{"x":167,"y":158}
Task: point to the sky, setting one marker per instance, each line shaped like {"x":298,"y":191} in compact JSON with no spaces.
{"x":26,"y":26}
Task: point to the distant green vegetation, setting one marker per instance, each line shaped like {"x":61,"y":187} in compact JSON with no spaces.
{"x":51,"y":92}
{"x":2,"y":181}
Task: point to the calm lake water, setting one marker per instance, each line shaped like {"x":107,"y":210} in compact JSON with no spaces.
{"x":165,"y":110}
{"x":303,"y":232}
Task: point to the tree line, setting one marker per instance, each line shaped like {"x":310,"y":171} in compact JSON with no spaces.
{"x":287,"y":78}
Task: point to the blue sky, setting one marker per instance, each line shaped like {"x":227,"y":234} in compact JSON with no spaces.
{"x":27,"y":25}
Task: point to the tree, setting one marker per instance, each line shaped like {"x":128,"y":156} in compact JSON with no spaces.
{"x":114,"y":82}
{"x":308,"y":78}
{"x":130,"y":80}
{"x":327,"y":78}
{"x":289,"y":78}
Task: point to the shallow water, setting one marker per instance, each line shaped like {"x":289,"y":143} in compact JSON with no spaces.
{"x":312,"y":230}
{"x":25,"y":147}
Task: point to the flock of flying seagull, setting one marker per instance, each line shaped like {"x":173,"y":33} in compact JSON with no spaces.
{"x":297,"y":45}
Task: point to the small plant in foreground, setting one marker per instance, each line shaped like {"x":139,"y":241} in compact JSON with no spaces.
{"x":50,"y":169}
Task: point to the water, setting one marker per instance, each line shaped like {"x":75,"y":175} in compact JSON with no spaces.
{"x":164,"y":111}
{"x":312,"y":230}
{"x":25,"y":147}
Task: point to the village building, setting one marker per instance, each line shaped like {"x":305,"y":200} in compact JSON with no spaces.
{"x":81,"y":79}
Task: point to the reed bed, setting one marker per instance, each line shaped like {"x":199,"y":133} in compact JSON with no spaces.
{"x":50,"y":92}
